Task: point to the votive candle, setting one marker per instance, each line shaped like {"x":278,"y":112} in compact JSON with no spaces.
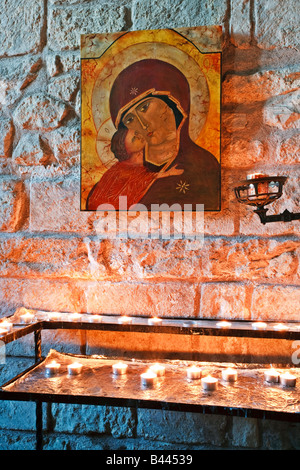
{"x":271,"y":375}
{"x":209,"y":383}
{"x":26,"y":317}
{"x":259,"y":325}
{"x":193,"y":372}
{"x":96,"y":318}
{"x":52,"y":368}
{"x":158,"y":369}
{"x":120,"y":368}
{"x":75,"y":368}
{"x":223,"y":324}
{"x":280,"y":326}
{"x":148,"y":378}
{"x":54,"y":316}
{"x":7,"y":325}
{"x":75,"y":316}
{"x":229,"y":375}
{"x":125,"y":320}
{"x":288,"y":380}
{"x":154,"y":321}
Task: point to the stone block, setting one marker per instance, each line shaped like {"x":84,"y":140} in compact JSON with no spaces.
{"x":277,"y":24}
{"x":55,"y":206}
{"x":32,"y":150}
{"x":63,"y":62}
{"x":190,"y":428}
{"x":7,"y":132}
{"x":79,"y":419}
{"x":276,"y":303}
{"x":224,"y":301}
{"x":53,"y":258}
{"x":282,"y":112}
{"x":16,"y":74}
{"x":64,"y":87}
{"x":240,"y":24}
{"x":40,"y":112}
{"x":65,"y":144}
{"x":14,"y":204}
{"x":43,"y":294}
{"x":289,"y":150}
{"x":67,"y":22}
{"x":17,"y":415}
{"x":20,"y":27}
{"x":259,"y":86}
{"x":173,"y":299}
{"x":245,"y":432}
{"x":150,"y":14}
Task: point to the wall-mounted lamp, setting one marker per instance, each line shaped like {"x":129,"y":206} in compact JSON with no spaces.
{"x":260,"y":190}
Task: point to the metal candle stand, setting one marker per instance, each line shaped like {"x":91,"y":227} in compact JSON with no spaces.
{"x":168,"y":326}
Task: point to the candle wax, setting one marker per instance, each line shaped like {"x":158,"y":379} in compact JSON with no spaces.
{"x":148,"y":378}
{"x":154,"y":321}
{"x":75,"y":316}
{"x":27,"y":317}
{"x":224,"y":324}
{"x":288,"y":380}
{"x":52,"y":368}
{"x":96,"y":318}
{"x":158,"y":369}
{"x":209,"y":383}
{"x":193,"y":372}
{"x":259,"y":325}
{"x":229,"y":375}
{"x":271,"y":376}
{"x":75,"y":368}
{"x":120,"y":368}
{"x":125,"y":319}
{"x":6,"y":325}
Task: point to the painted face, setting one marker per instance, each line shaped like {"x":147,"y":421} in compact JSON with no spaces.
{"x":153,"y":119}
{"x":134,"y":142}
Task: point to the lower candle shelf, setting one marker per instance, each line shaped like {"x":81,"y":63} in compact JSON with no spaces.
{"x":96,"y":383}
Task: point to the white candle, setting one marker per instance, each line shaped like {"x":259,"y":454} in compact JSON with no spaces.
{"x":26,"y":317}
{"x":54,"y":316}
{"x":259,"y":325}
{"x":124,"y":320}
{"x":209,"y":383}
{"x":52,"y":368}
{"x":229,"y":375}
{"x":7,"y":325}
{"x":75,"y":316}
{"x":154,"y":321}
{"x":148,"y":378}
{"x":193,"y":372}
{"x":288,"y":380}
{"x":75,"y":368}
{"x":96,"y":318}
{"x":271,"y":375}
{"x":158,"y":369}
{"x":280,"y":326}
{"x":223,"y":324}
{"x":120,"y":368}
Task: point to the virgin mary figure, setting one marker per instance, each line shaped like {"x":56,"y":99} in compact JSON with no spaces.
{"x":151,"y":98}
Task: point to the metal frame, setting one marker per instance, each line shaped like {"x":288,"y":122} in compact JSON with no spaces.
{"x":180,"y":326}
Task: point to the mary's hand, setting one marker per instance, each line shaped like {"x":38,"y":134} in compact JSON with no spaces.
{"x":171,"y":172}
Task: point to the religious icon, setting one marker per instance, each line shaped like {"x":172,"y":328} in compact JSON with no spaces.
{"x":151,"y":118}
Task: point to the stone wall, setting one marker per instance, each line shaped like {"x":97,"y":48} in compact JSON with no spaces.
{"x":51,"y":257}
